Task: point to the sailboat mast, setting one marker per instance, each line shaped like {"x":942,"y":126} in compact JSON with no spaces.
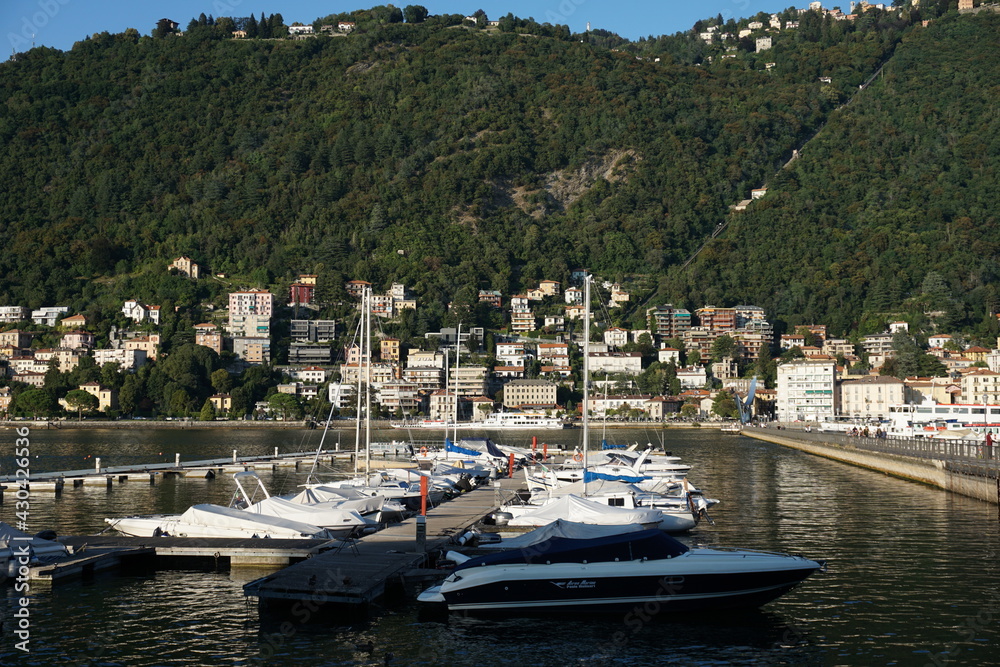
{"x":361,"y":356}
{"x":586,"y":369}
{"x":458,"y":360}
{"x":368,"y":384}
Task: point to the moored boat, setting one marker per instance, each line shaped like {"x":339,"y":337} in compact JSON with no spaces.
{"x":619,"y":572}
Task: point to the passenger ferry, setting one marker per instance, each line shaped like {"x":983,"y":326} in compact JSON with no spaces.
{"x":930,"y":420}
{"x":495,"y":421}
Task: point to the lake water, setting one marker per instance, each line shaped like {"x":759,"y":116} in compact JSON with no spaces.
{"x":914,"y":575}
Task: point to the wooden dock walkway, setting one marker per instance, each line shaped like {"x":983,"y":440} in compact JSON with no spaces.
{"x":89,"y":554}
{"x":360,"y":572}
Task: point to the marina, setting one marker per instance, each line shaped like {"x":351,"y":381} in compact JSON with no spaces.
{"x":865,"y":609}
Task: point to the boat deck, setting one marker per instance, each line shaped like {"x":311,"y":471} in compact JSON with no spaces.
{"x":360,"y":572}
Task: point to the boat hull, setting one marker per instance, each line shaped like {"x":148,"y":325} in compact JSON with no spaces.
{"x":673,"y":585}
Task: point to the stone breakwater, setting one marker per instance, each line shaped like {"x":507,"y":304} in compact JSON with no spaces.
{"x":975,"y":478}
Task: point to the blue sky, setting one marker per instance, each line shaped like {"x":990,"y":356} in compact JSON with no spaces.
{"x":60,"y":23}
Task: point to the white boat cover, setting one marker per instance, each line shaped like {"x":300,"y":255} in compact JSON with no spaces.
{"x":217,"y":516}
{"x":39,"y":548}
{"x":580,"y":510}
{"x":597,"y":487}
{"x":562,"y":528}
{"x":347,"y":498}
{"x":324,"y":515}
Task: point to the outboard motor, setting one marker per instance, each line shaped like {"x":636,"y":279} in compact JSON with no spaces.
{"x":502,"y":518}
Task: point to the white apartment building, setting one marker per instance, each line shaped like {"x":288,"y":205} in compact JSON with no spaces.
{"x":981,"y":386}
{"x":806,"y":390}
{"x":624,"y":362}
{"x":870,"y":397}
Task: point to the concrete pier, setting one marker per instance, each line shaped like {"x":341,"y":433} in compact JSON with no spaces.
{"x":938,"y":466}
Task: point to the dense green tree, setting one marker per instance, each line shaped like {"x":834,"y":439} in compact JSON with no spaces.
{"x":35,"y":403}
{"x":207,"y":412}
{"x":414,"y":13}
{"x":81,"y":400}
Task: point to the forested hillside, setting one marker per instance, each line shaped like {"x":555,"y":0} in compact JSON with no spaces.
{"x":892,"y":208}
{"x":452,"y":159}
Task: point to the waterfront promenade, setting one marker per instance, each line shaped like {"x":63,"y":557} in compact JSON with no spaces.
{"x":967,"y":468}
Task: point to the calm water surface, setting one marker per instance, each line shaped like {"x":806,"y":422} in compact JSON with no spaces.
{"x":913,"y":576}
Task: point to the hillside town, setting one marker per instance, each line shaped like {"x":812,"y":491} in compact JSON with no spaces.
{"x":683,"y":364}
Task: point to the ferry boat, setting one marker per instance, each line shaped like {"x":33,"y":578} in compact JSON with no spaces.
{"x":495,"y":421}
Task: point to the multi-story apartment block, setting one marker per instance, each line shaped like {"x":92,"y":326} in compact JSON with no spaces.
{"x":529,"y":393}
{"x":148,"y":344}
{"x":77,"y":339}
{"x":870,"y":397}
{"x":16,"y":338}
{"x":981,"y":386}
{"x":468,"y":380}
{"x":251,"y":302}
{"x":669,"y":322}
{"x":399,"y":395}
{"x":716,"y":319}
{"x":127,"y":360}
{"x":806,"y":390}
{"x":490,"y":296}
{"x":375,"y":373}
{"x":313,"y":331}
{"x":309,"y":353}
{"x":208,"y":335}
{"x":550,"y":287}
{"x":616,"y":337}
{"x":252,"y":349}
{"x":389,"y":349}
{"x":442,"y":405}
{"x":14,"y":313}
{"x":49,"y":315}
{"x":629,"y":363}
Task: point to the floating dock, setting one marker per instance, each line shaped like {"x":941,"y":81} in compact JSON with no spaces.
{"x":364,"y":570}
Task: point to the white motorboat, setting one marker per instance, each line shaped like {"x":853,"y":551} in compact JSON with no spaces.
{"x":216,"y":521}
{"x":679,"y":513}
{"x":618,"y":573}
{"x":580,"y":510}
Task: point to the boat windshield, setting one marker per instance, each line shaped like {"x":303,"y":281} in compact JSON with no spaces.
{"x":650,"y":544}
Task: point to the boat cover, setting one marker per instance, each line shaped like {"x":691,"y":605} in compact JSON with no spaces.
{"x":589,"y":476}
{"x":561,"y":528}
{"x":580,"y":510}
{"x":645,"y":545}
{"x":217,"y":516}
{"x":597,"y":487}
{"x":346,"y":498}
{"x":324,"y":515}
{"x":39,"y":548}
{"x":449,"y":446}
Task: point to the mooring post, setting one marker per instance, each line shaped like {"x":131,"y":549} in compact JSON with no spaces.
{"x":275,"y":452}
{"x":177,"y":460}
{"x":421,"y":534}
{"x":234,"y":456}
{"x":97,"y":465}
